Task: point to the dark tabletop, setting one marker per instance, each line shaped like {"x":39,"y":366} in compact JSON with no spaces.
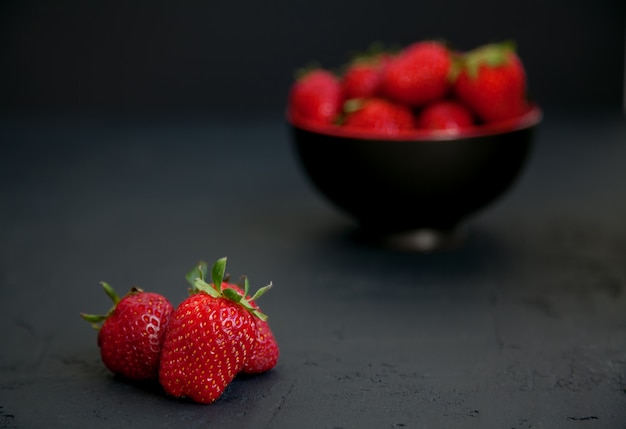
{"x":521,"y":326}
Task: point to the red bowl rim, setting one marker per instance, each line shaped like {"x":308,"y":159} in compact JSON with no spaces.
{"x":527,"y":120}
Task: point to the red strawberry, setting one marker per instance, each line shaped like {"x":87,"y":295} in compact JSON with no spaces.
{"x":362,"y":76}
{"x":445,"y":115}
{"x":492,"y":81}
{"x":210,"y":338}
{"x":418,"y":75}
{"x":265,"y":352}
{"x":130,"y":335}
{"x":316,"y":95}
{"x":378,"y":115}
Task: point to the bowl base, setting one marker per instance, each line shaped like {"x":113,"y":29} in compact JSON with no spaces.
{"x":417,"y":240}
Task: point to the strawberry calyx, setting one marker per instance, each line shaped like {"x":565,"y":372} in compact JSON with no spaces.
{"x":491,"y":55}
{"x":301,"y":72}
{"x":96,"y":320}
{"x":350,"y":106}
{"x":353,"y":105}
{"x":197,"y":277}
{"x":375,"y":54}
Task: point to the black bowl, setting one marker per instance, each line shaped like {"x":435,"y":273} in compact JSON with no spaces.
{"x":419,"y":181}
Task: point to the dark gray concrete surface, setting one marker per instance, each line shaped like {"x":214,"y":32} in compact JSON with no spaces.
{"x":522,"y":326}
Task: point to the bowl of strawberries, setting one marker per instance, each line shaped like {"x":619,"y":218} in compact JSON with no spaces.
{"x":411,"y":143}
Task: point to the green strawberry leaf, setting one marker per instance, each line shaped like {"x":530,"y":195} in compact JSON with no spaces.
{"x":260,"y":292}
{"x":301,"y":72}
{"x":110,"y":293}
{"x":245,"y":303}
{"x":196,"y":277}
{"x":246,"y":285}
{"x":491,"y":55}
{"x":217,"y":273}
{"x":232,"y":294}
{"x":353,"y":105}
{"x":97,"y":319}
{"x":200,"y":285}
{"x":259,"y":314}
{"x":198,"y":272}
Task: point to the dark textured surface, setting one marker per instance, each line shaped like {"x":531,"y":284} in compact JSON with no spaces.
{"x":523,"y":326}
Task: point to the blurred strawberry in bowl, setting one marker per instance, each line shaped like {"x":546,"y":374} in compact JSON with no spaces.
{"x":316,"y":95}
{"x":435,"y":133}
{"x":491,"y":80}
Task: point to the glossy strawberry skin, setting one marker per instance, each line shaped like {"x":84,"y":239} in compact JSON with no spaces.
{"x":265,"y":352}
{"x":380,"y":116}
{"x":317,"y":96}
{"x":206,"y":345}
{"x":361,"y":80}
{"x":445,"y":115}
{"x":362,"y":76}
{"x":131,"y":337}
{"x":418,"y":75}
{"x":494,"y":92}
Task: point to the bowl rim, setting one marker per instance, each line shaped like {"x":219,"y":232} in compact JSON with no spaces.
{"x":529,"y":119}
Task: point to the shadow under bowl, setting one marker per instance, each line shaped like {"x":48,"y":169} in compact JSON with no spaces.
{"x":418,"y":182}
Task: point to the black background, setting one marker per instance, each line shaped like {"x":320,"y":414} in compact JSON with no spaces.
{"x":236,"y":57}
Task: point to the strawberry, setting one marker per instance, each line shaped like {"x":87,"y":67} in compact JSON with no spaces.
{"x":378,"y":115}
{"x":445,"y":115}
{"x":130,"y":335}
{"x":317,"y":96}
{"x":491,"y":80}
{"x":418,"y":75}
{"x":265,"y":352}
{"x":211,"y":336}
{"x":362,"y":76}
